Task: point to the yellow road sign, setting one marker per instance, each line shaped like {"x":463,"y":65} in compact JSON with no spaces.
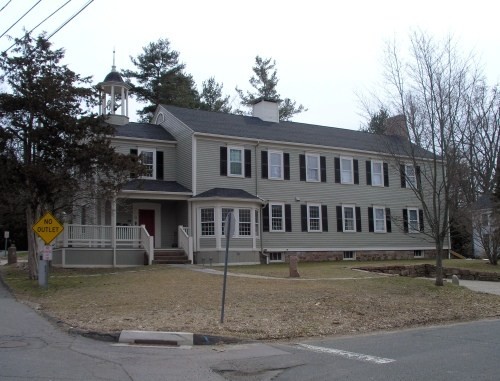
{"x":48,"y":228}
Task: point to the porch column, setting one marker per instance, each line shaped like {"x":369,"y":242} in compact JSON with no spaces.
{"x":113,"y":229}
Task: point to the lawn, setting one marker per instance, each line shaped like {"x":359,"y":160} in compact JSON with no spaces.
{"x":177,"y":299}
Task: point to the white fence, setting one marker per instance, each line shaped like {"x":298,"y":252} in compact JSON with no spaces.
{"x":185,"y":241}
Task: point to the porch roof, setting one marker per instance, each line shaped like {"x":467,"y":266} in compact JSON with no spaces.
{"x":155,"y":186}
{"x":227,"y":193}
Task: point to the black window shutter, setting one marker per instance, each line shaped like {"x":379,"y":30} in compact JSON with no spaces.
{"x":370,"y":220}
{"x":265,"y":218}
{"x":248,"y":163}
{"x":159,"y":165}
{"x":337,"y":170}
{"x":223,"y":161}
{"x":286,"y":164}
{"x":405,"y":220}
{"x":421,"y":219}
{"x":358,"y":219}
{"x":402,"y":171}
{"x":340,"y":225}
{"x":263,"y":164}
{"x":418,"y":176}
{"x":322,"y":161}
{"x":302,"y":164}
{"x":303,"y":217}
{"x":368,"y":172}
{"x":386,"y":174}
{"x":356,"y":171}
{"x":288,"y":218}
{"x":133,"y":153}
{"x":324,"y":218}
{"x":388,"y":223}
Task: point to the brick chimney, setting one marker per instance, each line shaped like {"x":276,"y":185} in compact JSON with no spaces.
{"x":266,"y":109}
{"x":396,"y":126}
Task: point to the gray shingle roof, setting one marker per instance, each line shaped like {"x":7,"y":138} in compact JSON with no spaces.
{"x":292,"y":132}
{"x":226,"y":193}
{"x":155,"y":186}
{"x":143,"y":131}
{"x":484,"y":201}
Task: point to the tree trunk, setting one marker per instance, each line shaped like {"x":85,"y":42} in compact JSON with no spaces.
{"x":439,"y":264}
{"x":32,"y":244}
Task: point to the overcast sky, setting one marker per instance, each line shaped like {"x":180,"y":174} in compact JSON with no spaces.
{"x":326,"y":52}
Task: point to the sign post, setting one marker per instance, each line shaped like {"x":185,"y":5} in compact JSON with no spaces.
{"x":6,"y":236}
{"x":47,"y":228}
{"x":229,"y":226}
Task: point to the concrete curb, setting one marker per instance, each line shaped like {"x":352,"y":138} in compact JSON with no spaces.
{"x":156,"y":338}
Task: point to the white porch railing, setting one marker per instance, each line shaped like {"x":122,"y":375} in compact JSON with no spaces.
{"x":98,"y":236}
{"x":185,"y":241}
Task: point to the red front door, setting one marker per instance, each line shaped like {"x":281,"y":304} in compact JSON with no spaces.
{"x":147,"y":218}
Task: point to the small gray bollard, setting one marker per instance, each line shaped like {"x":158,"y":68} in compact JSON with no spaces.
{"x":454,"y":280}
{"x":12,"y":256}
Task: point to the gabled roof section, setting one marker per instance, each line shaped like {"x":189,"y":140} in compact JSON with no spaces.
{"x":226,"y":193}
{"x":155,"y":186}
{"x":249,"y":127}
{"x":143,"y":131}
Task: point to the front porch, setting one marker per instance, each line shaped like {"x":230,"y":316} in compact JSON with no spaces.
{"x":119,"y":246}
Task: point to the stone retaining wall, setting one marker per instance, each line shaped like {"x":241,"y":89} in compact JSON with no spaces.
{"x":365,"y":255}
{"x":429,"y":271}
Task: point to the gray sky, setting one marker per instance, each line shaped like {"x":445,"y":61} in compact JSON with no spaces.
{"x":326,"y":51}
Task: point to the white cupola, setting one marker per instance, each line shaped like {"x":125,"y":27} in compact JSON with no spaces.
{"x":114,"y":97}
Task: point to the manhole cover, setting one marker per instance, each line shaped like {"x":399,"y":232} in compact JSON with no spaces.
{"x":12,"y":344}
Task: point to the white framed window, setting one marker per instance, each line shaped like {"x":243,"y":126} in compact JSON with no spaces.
{"x":275,"y":167}
{"x":244,"y":222}
{"x":207,"y":221}
{"x":312,"y":167}
{"x":257,"y":223}
{"x":349,"y":256}
{"x":346,"y":170}
{"x":379,"y":219}
{"x":314,"y":218}
{"x":276,"y":217}
{"x":224,"y":213}
{"x":418,"y":254}
{"x":275,"y":257}
{"x":411,"y":176}
{"x":349,"y":218}
{"x":147,"y":158}
{"x":377,"y":173}
{"x":235,"y":161}
{"x":413,"y":221}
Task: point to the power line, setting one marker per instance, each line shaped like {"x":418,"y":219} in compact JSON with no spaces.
{"x":29,"y":10}
{"x":8,"y":2}
{"x":52,"y":14}
{"x":71,"y":18}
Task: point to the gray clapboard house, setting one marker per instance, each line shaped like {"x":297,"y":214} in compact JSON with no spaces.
{"x":320,"y":193}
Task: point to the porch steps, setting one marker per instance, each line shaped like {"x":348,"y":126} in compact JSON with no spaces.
{"x":170,"y":257}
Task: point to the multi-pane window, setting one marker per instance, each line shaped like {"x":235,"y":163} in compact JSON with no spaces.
{"x":225,"y":212}
{"x":257,"y":223}
{"x":418,"y":253}
{"x":277,"y":216}
{"x":413,"y":222}
{"x":313,"y":218}
{"x":147,"y":159}
{"x":411,"y":178}
{"x":379,"y":219}
{"x":245,"y":222}
{"x":348,"y":217}
{"x":312,"y":167}
{"x":346,"y":170}
{"x":377,"y":173}
{"x":275,"y":165}
{"x":235,"y":162}
{"x":349,"y":255}
{"x":207,"y":218}
{"x":485,"y":220}
{"x":275,"y":257}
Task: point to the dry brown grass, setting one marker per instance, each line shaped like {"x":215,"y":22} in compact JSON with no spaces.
{"x":176,"y":299}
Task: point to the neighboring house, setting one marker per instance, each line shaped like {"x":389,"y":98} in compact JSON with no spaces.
{"x":484,"y":227}
{"x":318,"y":192}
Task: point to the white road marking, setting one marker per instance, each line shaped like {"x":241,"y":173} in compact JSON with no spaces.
{"x":346,"y":354}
